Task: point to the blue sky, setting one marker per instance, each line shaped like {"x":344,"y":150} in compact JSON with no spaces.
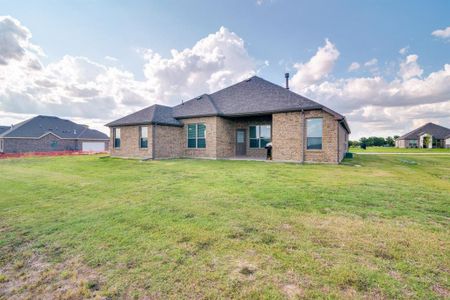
{"x":276,"y":34}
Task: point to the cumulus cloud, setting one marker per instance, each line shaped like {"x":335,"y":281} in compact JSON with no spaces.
{"x":442,"y":33}
{"x":15,"y":44}
{"x":410,"y":68}
{"x":354,"y":66}
{"x":81,"y":89}
{"x":214,"y":62}
{"x":375,"y":105}
{"x":318,"y":67}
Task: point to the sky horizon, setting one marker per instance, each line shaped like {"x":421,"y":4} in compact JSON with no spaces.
{"x":384,"y":65}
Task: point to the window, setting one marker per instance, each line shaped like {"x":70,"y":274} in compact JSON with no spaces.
{"x":260,"y":136}
{"x":197,"y":135}
{"x":1,"y":145}
{"x":116,"y":135}
{"x":143,"y":137}
{"x":314,"y":134}
{"x":412,"y":143}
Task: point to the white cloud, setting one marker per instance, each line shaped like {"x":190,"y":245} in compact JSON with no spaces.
{"x":318,"y":67}
{"x":371,"y":62}
{"x":214,"y":62}
{"x":410,"y":68}
{"x":354,"y":66}
{"x":111,"y":58}
{"x":375,"y":105}
{"x":403,"y":50}
{"x":442,"y":33}
{"x":81,"y":89}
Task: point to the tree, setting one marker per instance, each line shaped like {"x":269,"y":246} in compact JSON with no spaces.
{"x":353,"y":143}
{"x":390,"y":141}
{"x":426,"y":141}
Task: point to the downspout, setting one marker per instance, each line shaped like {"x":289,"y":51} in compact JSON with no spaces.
{"x":303,"y":136}
{"x":153,"y":140}
{"x":338,"y":123}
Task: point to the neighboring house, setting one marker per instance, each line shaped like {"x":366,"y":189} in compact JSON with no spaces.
{"x":45,"y":134}
{"x":4,"y":128}
{"x":237,"y":121}
{"x":436,"y":135}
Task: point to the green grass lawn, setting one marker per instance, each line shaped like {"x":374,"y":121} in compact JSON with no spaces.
{"x":399,"y":150}
{"x":84,"y":226}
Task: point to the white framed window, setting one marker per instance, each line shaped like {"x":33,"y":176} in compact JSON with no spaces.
{"x":314,"y":132}
{"x":196,"y":135}
{"x":260,"y":135}
{"x":116,"y":137}
{"x":143,"y":137}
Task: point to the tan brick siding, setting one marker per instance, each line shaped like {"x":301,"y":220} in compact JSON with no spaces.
{"x":210,"y":135}
{"x":169,"y":141}
{"x":329,"y":139}
{"x":343,"y":141}
{"x":129,"y":143}
{"x":400,"y":144}
{"x":225,"y":138}
{"x":287,"y":136}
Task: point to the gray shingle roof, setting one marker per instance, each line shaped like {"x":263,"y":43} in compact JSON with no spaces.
{"x":3,"y":129}
{"x":158,"y":114}
{"x":41,"y":125}
{"x":254,"y":96}
{"x":249,"y":97}
{"x":436,"y":131}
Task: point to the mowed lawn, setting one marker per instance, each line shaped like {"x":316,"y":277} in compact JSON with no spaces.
{"x":85,"y":226}
{"x":399,"y":150}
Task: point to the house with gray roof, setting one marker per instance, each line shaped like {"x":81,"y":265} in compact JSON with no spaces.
{"x":235,"y":122}
{"x":49,"y":134}
{"x":429,"y":135}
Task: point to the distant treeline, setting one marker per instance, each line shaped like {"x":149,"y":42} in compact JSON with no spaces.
{"x":374,"y":141}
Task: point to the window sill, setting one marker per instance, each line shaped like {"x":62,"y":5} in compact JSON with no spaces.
{"x":315,"y":150}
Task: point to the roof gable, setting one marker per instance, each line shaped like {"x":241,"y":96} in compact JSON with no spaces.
{"x":249,"y":97}
{"x":254,"y":96}
{"x":4,"y":129}
{"x":155,"y":114}
{"x":435,"y":130}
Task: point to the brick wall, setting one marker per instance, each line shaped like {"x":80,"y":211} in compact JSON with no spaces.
{"x":129,"y":143}
{"x":47,"y":143}
{"x":210,"y":135}
{"x":343,"y":141}
{"x":289,"y":137}
{"x":169,"y":141}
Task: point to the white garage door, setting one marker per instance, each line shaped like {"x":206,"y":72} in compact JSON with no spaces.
{"x":93,"y":146}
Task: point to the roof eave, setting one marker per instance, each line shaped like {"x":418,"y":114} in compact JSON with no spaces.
{"x":112,"y":125}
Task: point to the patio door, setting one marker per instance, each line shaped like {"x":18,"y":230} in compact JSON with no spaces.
{"x":241,"y":142}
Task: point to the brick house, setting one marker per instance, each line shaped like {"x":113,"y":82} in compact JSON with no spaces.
{"x":437,"y":136}
{"x":235,"y":122}
{"x":50,"y":134}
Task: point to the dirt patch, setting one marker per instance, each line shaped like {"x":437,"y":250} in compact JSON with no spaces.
{"x":292,"y":291}
{"x":441,"y":291}
{"x":33,"y":277}
{"x":244,"y":271}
